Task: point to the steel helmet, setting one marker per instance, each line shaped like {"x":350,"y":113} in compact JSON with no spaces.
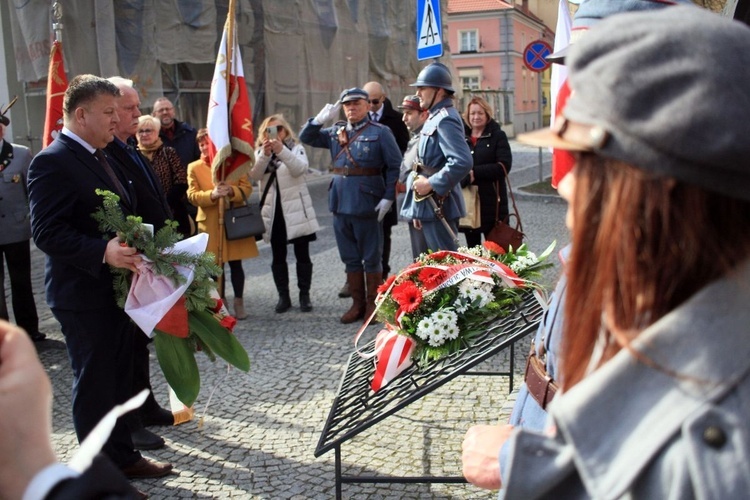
{"x":435,"y":75}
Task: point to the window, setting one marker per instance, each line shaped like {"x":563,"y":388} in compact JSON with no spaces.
{"x":470,"y":82}
{"x":468,"y":41}
{"x":470,"y":78}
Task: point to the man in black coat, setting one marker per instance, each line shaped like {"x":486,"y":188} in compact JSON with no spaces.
{"x":99,"y":336}
{"x":381,"y":111}
{"x":153,"y":209}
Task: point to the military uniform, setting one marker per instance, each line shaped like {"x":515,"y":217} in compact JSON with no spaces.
{"x":358,"y":185}
{"x":447,"y":160}
{"x":15,"y":233}
{"x":365,"y":166}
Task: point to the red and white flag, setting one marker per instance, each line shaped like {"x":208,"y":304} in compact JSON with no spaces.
{"x":562,"y":161}
{"x":57,"y":84}
{"x":229,"y":123}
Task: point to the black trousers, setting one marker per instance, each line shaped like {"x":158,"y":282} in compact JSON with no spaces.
{"x":100,"y":348}
{"x":18,"y":258}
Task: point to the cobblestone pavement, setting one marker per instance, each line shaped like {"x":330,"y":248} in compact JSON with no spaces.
{"x":257,"y":437}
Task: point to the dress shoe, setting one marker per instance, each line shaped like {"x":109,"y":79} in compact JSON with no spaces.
{"x":146,"y":469}
{"x":38,"y":336}
{"x":160,"y":416}
{"x":144,"y":439}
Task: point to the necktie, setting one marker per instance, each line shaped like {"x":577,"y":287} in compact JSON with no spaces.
{"x":111,"y":173}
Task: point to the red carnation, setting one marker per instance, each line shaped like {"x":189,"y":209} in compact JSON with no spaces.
{"x":493,"y":247}
{"x":408,"y":296}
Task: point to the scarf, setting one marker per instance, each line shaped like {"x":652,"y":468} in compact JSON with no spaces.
{"x":148,"y":151}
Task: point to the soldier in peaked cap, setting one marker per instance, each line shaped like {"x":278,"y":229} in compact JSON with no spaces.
{"x":15,"y":233}
{"x":433,"y":193}
{"x":365,"y":162}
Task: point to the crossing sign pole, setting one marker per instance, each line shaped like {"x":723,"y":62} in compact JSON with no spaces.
{"x":429,"y":30}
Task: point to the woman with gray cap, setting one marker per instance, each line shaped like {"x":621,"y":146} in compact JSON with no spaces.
{"x":655,"y":365}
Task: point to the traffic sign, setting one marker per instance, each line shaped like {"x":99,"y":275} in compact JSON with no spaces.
{"x":429,"y":30}
{"x":535,"y":56}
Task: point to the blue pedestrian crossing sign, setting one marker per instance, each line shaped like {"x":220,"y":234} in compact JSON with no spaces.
{"x":429,"y":30}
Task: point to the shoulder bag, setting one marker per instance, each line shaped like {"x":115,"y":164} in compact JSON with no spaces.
{"x":502,"y":232}
{"x":473,"y":218}
{"x":245,"y":221}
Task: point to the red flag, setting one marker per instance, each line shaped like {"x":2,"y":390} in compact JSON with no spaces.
{"x":57,"y":84}
{"x":230,"y":127}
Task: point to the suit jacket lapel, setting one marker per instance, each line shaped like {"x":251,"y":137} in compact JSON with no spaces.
{"x":91,"y":163}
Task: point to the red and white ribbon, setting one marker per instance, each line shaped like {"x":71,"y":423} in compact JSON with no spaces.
{"x":393,"y":356}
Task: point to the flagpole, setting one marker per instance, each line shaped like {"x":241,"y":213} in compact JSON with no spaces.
{"x":222,"y":176}
{"x":57,"y":25}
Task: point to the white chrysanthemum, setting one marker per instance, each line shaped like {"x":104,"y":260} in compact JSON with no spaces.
{"x":436,"y":327}
{"x":470,"y":290}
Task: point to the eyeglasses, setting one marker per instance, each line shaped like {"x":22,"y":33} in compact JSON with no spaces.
{"x":375,"y":101}
{"x":145,"y":131}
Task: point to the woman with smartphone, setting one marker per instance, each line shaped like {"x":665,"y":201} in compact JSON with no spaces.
{"x":287,"y":209}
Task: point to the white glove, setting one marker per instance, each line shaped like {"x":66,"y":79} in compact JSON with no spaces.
{"x":328,"y":113}
{"x":382,"y":208}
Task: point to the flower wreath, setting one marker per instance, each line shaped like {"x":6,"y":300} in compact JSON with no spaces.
{"x":437,"y":305}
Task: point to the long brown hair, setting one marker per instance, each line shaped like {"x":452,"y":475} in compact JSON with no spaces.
{"x":642,"y":245}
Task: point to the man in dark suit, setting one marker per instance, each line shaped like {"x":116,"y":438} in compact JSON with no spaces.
{"x":381,"y":111}
{"x":153,"y":209}
{"x":98,"y":334}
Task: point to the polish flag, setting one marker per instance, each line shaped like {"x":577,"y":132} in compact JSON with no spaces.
{"x":562,"y":161}
{"x":229,"y":123}
{"x":57,"y":84}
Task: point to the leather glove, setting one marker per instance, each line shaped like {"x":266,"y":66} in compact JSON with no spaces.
{"x":328,"y":113}
{"x":382,"y":208}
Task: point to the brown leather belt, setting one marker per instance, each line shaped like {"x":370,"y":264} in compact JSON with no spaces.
{"x":540,"y":385}
{"x":357,"y":171}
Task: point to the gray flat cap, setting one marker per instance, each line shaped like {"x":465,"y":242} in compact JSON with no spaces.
{"x":591,"y":12}
{"x":666,"y":91}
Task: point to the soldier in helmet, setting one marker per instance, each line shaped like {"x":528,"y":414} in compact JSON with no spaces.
{"x":433,"y":194}
{"x":365,"y":166}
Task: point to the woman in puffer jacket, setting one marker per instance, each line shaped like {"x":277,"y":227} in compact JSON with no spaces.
{"x":281,"y":165}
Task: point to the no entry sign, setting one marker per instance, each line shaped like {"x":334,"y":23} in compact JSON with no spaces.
{"x":534,"y":56}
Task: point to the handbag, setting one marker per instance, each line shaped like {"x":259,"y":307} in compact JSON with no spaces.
{"x":473,"y":218}
{"x":245,"y":221}
{"x":502,"y":232}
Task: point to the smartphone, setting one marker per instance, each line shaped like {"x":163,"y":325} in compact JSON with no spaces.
{"x":272,"y":134}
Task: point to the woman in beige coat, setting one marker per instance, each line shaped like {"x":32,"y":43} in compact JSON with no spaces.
{"x":204,"y":194}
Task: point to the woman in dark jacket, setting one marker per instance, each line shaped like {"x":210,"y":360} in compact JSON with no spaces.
{"x":489,"y":149}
